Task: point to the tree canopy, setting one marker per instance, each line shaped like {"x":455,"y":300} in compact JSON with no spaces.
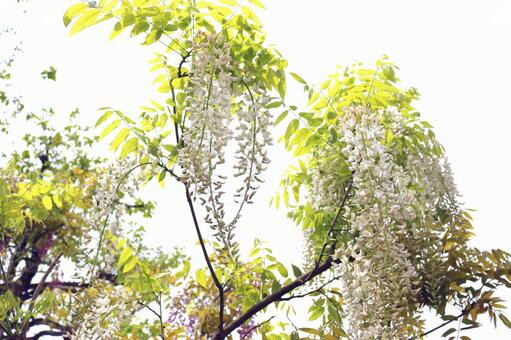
{"x":386,"y":235}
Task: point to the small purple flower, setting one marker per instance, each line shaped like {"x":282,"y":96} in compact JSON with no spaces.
{"x":45,"y":245}
{"x":246,"y":330}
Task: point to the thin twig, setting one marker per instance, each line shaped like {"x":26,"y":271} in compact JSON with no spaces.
{"x":311,"y":292}
{"x":208,"y":261}
{"x":334,"y":223}
{"x":160,"y":317}
{"x":255,"y":327}
{"x":438,"y":327}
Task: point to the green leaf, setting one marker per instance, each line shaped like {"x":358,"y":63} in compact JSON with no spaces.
{"x":126,"y":254}
{"x":291,"y":128}
{"x":200,"y":276}
{"x":118,"y":28}
{"x":310,"y":331}
{"x":275,"y":286}
{"x":282,"y":84}
{"x":339,"y":332}
{"x":132,"y":262}
{"x":258,"y":3}
{"x":121,"y":137}
{"x":281,"y":117}
{"x":129,"y":147}
{"x":57,"y":200}
{"x":152,"y":37}
{"x":109,"y":128}
{"x":229,"y":2}
{"x":273,"y":105}
{"x":87,"y":19}
{"x":449,"y":331}
{"x":296,"y":271}
{"x":282,"y":270}
{"x":103,"y":118}
{"x":505,"y":320}
{"x":140,"y":27}
{"x":73,"y":11}
{"x":390,"y":137}
{"x":47,"y":202}
{"x":50,"y":74}
{"x":298,"y":78}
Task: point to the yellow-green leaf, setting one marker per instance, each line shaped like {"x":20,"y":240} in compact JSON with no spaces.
{"x":229,"y":2}
{"x":73,"y":11}
{"x":282,"y":270}
{"x":257,"y":3}
{"x":390,"y":137}
{"x":103,"y":118}
{"x":110,"y":128}
{"x":129,"y":147}
{"x":57,"y":200}
{"x":87,"y":19}
{"x":152,"y":37}
{"x":121,"y":137}
{"x":281,"y":117}
{"x":47,"y":202}
{"x":200,"y":276}
{"x":126,"y":254}
{"x":132,"y":262}
{"x":298,"y":78}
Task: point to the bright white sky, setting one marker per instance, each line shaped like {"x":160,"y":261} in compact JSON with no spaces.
{"x":455,"y":52}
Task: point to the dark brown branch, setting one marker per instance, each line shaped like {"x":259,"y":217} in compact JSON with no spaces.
{"x":208,"y":262}
{"x":4,"y":276}
{"x":180,"y":73}
{"x":45,"y":333}
{"x":276,"y":297}
{"x":68,"y":286}
{"x":49,"y":323}
{"x":149,"y":308}
{"x":17,"y":255}
{"x":32,"y":264}
{"x":39,"y":289}
{"x":135,"y":206}
{"x":46,"y":232}
{"x":334,"y":223}
{"x":160,"y":317}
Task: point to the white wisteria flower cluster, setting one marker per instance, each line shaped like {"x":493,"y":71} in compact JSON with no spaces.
{"x":253,"y":136}
{"x":108,"y":212}
{"x":222,"y":108}
{"x":395,"y":196}
{"x":209,"y":115}
{"x":99,"y":312}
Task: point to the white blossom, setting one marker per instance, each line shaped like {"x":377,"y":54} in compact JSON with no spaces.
{"x":213,"y":103}
{"x":97,"y":313}
{"x":390,"y":206}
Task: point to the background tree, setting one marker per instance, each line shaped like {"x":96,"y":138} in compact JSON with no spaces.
{"x":57,"y":202}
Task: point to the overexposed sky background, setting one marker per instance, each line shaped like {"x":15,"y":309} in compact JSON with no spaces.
{"x":456,"y":52}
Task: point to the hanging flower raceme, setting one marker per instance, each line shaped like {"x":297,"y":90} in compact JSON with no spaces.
{"x":218,"y":114}
{"x":209,"y":115}
{"x":395,"y":195}
{"x":99,"y":312}
{"x":108,"y":212}
{"x":252,"y":135}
